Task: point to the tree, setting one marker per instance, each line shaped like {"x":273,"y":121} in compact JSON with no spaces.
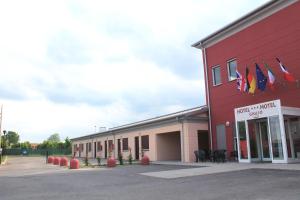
{"x":25,"y":145}
{"x":54,"y":138}
{"x":12,"y":138}
{"x":67,"y":143}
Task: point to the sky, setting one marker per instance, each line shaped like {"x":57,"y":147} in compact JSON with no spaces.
{"x":71,"y":67}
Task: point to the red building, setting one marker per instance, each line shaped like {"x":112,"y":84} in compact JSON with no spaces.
{"x":264,"y":126}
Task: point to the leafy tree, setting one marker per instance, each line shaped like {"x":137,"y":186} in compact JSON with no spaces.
{"x":67,"y":143}
{"x":54,"y":138}
{"x":25,"y":145}
{"x":3,"y":142}
{"x":13,"y":138}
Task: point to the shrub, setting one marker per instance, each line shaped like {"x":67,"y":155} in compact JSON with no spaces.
{"x":120,"y":158}
{"x":130,"y":156}
{"x":99,"y":161}
{"x":86,"y":161}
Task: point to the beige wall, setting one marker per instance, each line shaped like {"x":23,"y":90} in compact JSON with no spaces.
{"x":188,"y":141}
{"x":168,"y":146}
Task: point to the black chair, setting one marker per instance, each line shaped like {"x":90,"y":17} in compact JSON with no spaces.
{"x":196,"y":155}
{"x":202,"y":155}
{"x":234,"y":155}
{"x":219,"y":155}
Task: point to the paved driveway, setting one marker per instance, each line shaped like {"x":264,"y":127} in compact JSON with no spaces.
{"x":126,"y":182}
{"x":22,"y":166}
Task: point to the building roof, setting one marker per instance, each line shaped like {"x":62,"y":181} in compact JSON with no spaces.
{"x":151,"y":121}
{"x":256,"y":15}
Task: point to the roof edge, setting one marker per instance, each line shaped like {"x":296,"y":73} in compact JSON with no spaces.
{"x":144,"y":122}
{"x":260,"y":10}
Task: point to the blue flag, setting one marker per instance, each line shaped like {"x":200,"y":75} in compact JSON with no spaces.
{"x":261,"y":78}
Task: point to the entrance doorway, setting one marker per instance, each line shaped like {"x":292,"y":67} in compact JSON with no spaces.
{"x":203,"y":140}
{"x":137,"y":148}
{"x":105,"y":148}
{"x":119,"y":147}
{"x":95,"y":150}
{"x":168,"y":146}
{"x":263,"y":141}
{"x":259,"y":140}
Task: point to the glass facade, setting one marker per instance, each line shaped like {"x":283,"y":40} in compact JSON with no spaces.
{"x":252,"y":130}
{"x":276,"y":138}
{"x":243,"y":140}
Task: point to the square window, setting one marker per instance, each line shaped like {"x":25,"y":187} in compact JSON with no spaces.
{"x":90,"y":146}
{"x":145,"y":142}
{"x":125,"y":144}
{"x":216,"y":72}
{"x":231,"y":66}
{"x":99,"y":146}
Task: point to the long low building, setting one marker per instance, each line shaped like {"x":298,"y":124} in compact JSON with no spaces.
{"x":173,"y":136}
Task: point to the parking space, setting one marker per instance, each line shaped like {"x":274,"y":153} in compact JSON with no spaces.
{"x":126,"y":182}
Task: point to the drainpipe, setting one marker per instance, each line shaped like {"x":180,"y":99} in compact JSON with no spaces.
{"x":208,"y":96}
{"x":181,"y":139}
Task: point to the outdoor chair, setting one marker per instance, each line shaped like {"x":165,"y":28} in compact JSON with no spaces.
{"x":219,"y":155}
{"x":200,"y":155}
{"x":196,"y":155}
{"x":234,"y":155}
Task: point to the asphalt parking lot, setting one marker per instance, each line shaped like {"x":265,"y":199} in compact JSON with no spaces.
{"x":125,"y":182}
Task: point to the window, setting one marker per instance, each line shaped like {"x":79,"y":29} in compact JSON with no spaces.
{"x":90,"y":147}
{"x":75,"y":147}
{"x":110,"y":145}
{"x":99,"y":146}
{"x":276,"y":138}
{"x":221,"y":137}
{"x":145,"y":142}
{"x":243,"y":140}
{"x":216,"y":72}
{"x":125,"y":144}
{"x":231,"y":67}
{"x":81,"y":147}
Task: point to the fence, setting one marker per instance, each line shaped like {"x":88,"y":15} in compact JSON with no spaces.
{"x":18,"y":151}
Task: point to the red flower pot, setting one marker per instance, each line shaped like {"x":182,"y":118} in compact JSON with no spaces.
{"x":56,"y":161}
{"x":50,"y":159}
{"x":74,"y":163}
{"x":111,"y":162}
{"x":145,"y":160}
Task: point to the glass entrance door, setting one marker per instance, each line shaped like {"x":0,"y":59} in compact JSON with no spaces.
{"x":264,"y":140}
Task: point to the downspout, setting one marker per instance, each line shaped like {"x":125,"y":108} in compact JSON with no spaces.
{"x":208,"y":95}
{"x":182,"y":145}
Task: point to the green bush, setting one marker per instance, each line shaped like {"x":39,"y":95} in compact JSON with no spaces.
{"x":99,"y":161}
{"x":120,"y":158}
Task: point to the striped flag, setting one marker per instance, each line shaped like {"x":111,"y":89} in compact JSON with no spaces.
{"x":287,"y":76}
{"x":271,"y":76}
{"x":251,"y":82}
{"x":240,"y":81}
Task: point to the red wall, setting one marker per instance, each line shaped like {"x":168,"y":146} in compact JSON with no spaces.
{"x":275,"y":36}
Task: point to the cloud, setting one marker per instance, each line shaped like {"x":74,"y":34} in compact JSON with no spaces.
{"x":66,"y":66}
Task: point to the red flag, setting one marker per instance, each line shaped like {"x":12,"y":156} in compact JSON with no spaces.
{"x":287,"y":76}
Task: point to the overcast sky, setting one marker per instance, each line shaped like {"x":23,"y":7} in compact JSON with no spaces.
{"x":68,"y":66}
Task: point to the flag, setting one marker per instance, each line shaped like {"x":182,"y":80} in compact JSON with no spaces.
{"x":287,"y":76}
{"x":240,"y":81}
{"x":261,"y":78}
{"x":251,"y":82}
{"x":271,"y":76}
